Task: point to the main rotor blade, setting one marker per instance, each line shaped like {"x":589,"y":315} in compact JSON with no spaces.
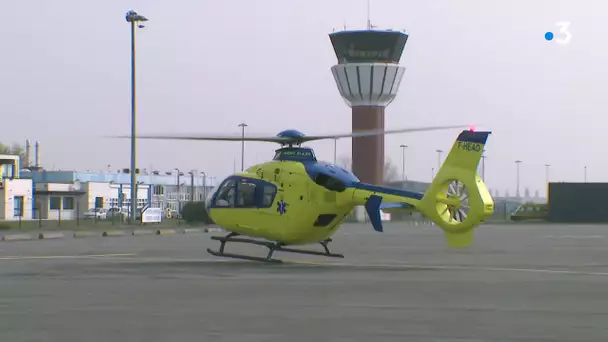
{"x":210,"y":137}
{"x":370,"y":133}
{"x":287,"y":140}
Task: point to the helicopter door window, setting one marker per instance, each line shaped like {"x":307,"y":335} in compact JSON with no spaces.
{"x":269,"y":192}
{"x":245,"y":195}
{"x":226,"y":195}
{"x":330,"y":183}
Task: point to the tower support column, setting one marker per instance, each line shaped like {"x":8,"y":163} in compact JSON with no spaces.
{"x":368,"y":152}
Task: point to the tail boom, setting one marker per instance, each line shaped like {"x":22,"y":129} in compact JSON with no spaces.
{"x":374,"y":198}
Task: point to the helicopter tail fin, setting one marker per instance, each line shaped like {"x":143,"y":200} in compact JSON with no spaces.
{"x":457,"y":199}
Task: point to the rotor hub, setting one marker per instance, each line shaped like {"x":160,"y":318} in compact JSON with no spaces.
{"x":292,"y":136}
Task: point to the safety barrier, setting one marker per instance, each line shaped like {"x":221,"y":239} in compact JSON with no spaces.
{"x":138,"y":232}
{"x":166,"y":231}
{"x":19,"y":237}
{"x":51,"y":235}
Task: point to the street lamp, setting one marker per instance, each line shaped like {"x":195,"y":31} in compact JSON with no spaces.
{"x":547,"y":166}
{"x":335,"y":149}
{"x":403,"y":175}
{"x":192,"y":173}
{"x":517,"y":162}
{"x":135,"y":20}
{"x":585,"y":174}
{"x":204,"y":185}
{"x":178,"y":190}
{"x":242,"y":125}
{"x":439,"y":159}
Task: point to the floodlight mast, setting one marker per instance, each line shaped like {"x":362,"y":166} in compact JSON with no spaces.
{"x":134,"y":19}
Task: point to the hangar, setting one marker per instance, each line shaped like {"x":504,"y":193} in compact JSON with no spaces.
{"x":578,"y":202}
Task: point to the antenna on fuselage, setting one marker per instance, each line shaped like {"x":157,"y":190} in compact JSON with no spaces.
{"x":369,"y":22}
{"x":290,"y":145}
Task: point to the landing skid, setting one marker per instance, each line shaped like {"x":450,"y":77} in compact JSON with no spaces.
{"x":272,"y":247}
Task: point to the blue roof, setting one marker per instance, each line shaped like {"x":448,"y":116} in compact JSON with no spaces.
{"x":118,"y":178}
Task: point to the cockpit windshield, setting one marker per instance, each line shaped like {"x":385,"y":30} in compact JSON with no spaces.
{"x":210,"y":194}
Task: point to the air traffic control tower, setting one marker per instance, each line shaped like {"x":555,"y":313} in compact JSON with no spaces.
{"x":368,"y":75}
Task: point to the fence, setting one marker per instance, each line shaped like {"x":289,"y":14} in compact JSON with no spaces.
{"x":77,"y":218}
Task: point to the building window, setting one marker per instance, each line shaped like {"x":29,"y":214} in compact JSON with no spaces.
{"x":68,"y":203}
{"x":18,"y":200}
{"x":158,"y":190}
{"x":98,"y":202}
{"x":55,"y":203}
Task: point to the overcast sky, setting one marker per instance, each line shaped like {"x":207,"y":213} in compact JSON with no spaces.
{"x":205,"y":66}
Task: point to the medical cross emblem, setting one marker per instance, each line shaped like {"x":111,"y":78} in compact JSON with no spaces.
{"x":281,"y":207}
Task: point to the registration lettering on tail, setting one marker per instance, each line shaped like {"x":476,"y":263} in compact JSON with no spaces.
{"x":469,"y":146}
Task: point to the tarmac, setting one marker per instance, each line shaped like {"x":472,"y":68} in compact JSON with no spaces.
{"x":517,"y":283}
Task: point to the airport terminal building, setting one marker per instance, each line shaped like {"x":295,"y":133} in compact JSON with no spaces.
{"x":43,"y":194}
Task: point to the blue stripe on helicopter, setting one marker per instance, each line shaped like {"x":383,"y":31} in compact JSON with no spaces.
{"x":396,"y":205}
{"x":473,"y":137}
{"x":390,"y":191}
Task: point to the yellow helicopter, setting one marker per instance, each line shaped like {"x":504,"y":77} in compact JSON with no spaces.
{"x":297,"y":200}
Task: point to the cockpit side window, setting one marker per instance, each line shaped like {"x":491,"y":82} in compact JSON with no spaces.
{"x":268,"y":195}
{"x":330,"y":183}
{"x":245,"y":194}
{"x":226,"y":194}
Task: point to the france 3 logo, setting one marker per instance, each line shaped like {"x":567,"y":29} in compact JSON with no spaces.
{"x":564,"y":34}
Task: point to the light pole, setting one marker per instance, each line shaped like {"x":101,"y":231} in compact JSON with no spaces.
{"x":403,"y":148}
{"x":204,"y":185}
{"x":439,"y":159}
{"x":517,"y":162}
{"x":547,"y":166}
{"x":178,"y":189}
{"x":135,"y":21}
{"x":192,"y":173}
{"x":335,"y":149}
{"x":242,"y":125}
{"x":585,"y":174}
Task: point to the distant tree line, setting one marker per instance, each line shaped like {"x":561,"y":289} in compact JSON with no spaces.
{"x":14,"y":149}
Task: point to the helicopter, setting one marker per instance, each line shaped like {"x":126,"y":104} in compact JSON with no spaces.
{"x":295,"y":199}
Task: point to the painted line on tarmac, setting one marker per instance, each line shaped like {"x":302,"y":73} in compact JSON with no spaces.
{"x":574,"y":237}
{"x":85,"y":256}
{"x":131,"y":256}
{"x":467,"y":268}
{"x":446,"y":267}
{"x":353,"y":265}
